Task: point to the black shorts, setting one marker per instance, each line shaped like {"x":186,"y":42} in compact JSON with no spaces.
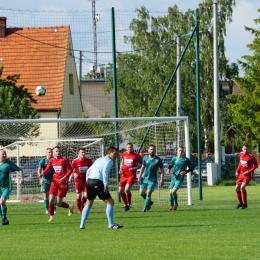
{"x":96,"y":188}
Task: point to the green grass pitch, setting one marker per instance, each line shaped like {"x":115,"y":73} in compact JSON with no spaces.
{"x":209,"y":229}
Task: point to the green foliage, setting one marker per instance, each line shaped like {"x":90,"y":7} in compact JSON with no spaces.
{"x":92,"y":130}
{"x":16,"y":103}
{"x":246,"y":107}
{"x":228,"y":183}
{"x":233,"y":183}
{"x":143,"y":75}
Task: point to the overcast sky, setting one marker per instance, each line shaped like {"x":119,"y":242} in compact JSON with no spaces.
{"x":236,"y":40}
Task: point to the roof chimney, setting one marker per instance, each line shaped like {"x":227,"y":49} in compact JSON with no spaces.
{"x":2,"y":27}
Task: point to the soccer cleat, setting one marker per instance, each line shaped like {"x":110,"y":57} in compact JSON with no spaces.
{"x":239,"y":206}
{"x":171,"y":208}
{"x":175,"y":206}
{"x":126,"y":208}
{"x":51,"y":220}
{"x":244,"y":206}
{"x":47,"y":212}
{"x":55,"y":210}
{"x":70,"y":211}
{"x":150,"y":205}
{"x":116,"y":226}
{"x":79,"y":211}
{"x":5,"y":221}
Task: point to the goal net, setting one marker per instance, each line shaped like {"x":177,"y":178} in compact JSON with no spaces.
{"x":96,"y":135}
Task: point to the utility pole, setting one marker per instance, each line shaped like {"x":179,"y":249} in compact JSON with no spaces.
{"x":95,"y":18}
{"x":80,"y":73}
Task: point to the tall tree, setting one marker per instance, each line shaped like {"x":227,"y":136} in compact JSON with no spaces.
{"x":16,"y":103}
{"x":246,"y":107}
{"x":144,"y":74}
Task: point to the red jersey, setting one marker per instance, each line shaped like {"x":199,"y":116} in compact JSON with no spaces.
{"x":81,"y":167}
{"x":61,"y":167}
{"x":130,"y":160}
{"x":247,"y":163}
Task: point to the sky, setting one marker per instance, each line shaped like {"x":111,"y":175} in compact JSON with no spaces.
{"x":236,"y":40}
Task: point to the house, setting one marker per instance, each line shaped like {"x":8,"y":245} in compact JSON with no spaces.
{"x":95,"y":102}
{"x":44,"y":56}
{"x":225,"y":86}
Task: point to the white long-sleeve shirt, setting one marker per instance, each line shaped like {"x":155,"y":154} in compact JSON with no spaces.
{"x":100,"y":169}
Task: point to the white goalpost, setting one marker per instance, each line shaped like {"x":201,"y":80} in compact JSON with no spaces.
{"x":96,"y":135}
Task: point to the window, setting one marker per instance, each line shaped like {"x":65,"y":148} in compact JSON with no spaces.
{"x":71,"y":84}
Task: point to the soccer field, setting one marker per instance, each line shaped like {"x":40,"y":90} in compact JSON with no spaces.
{"x":209,"y":229}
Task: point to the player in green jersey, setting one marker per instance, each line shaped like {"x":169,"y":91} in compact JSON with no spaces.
{"x":45,"y":180}
{"x":150,"y":166}
{"x":6,"y":166}
{"x":180,"y":164}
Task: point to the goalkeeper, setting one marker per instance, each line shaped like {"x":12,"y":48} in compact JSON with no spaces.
{"x":180,"y":164}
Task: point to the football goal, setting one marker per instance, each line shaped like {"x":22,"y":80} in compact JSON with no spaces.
{"x":96,"y":135}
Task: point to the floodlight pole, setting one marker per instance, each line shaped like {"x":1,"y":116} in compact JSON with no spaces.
{"x":178,"y":91}
{"x":216,"y":90}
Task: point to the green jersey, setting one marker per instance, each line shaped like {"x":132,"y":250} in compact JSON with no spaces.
{"x":5,"y":169}
{"x":43,"y":164}
{"x":179,"y":164}
{"x":152,"y":166}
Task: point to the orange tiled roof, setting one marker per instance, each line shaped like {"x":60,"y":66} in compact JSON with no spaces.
{"x":38,"y":54}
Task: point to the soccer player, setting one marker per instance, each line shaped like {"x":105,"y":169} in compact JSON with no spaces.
{"x":180,"y":164}
{"x":131,"y":161}
{"x":151,"y":164}
{"x":97,"y":185}
{"x":45,"y":180}
{"x":6,"y":166}
{"x":60,"y":183}
{"x":244,"y":174}
{"x":80,"y":165}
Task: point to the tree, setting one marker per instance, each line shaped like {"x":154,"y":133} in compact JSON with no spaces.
{"x":143,"y":75}
{"x":103,"y":130}
{"x":245,"y":108}
{"x":16,"y":103}
{"x":232,"y":71}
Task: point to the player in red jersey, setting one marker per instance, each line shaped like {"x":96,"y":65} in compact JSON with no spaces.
{"x":60,"y":184}
{"x":131,"y":161}
{"x":244,"y":174}
{"x":80,"y":166}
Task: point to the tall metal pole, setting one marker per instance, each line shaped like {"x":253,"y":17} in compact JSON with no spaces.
{"x":178,"y":92}
{"x":216,"y":90}
{"x":198,"y":101}
{"x":115,"y":90}
{"x":95,"y":37}
{"x":80,"y":74}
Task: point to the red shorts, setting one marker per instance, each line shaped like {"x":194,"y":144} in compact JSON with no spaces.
{"x":243,"y":178}
{"x":127,"y":180}
{"x":80,"y":187}
{"x":59,"y":189}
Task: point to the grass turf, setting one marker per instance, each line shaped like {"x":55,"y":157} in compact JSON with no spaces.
{"x":209,"y":229}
